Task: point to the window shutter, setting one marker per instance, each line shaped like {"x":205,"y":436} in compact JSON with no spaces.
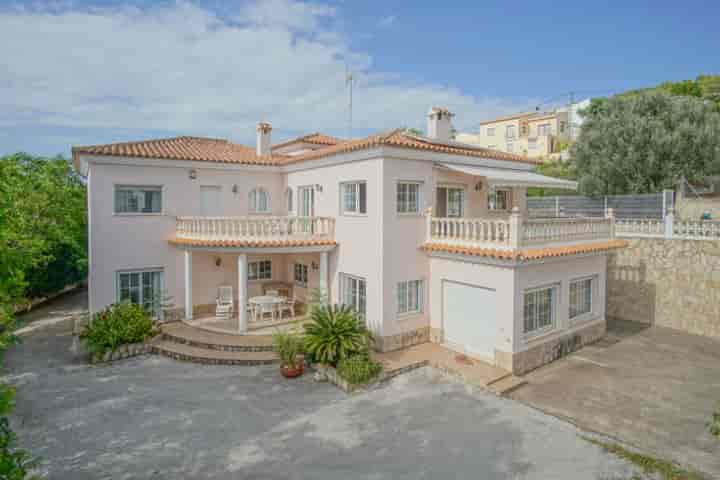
{"x":363,"y":197}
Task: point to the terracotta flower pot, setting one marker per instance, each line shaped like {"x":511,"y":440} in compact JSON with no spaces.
{"x":292,"y":372}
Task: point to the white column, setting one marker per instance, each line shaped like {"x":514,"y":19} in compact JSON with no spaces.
{"x":324,"y":293}
{"x":515,"y":237}
{"x":188,"y":285}
{"x":669,"y":222}
{"x":242,"y":293}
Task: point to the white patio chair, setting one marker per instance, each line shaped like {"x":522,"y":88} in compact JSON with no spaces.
{"x":272,"y":293}
{"x":288,"y":306}
{"x":265,"y":308}
{"x":224,"y":305}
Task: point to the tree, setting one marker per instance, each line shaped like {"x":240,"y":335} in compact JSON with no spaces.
{"x":558,"y":169}
{"x":646,"y":142}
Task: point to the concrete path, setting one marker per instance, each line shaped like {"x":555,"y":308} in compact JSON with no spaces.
{"x":653,"y":387}
{"x":54,"y":311}
{"x":151,"y":417}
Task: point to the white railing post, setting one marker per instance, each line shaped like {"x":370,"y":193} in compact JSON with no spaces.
{"x":428,"y":224}
{"x":669,"y":223}
{"x":516,"y":225}
{"x":610,"y":215}
{"x":557,"y":206}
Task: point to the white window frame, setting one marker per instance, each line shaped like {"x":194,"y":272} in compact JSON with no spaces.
{"x":289,"y":200}
{"x":532,"y":143}
{"x":255,"y":265}
{"x":492,"y":204}
{"x":353,"y":187}
{"x":510,"y":131}
{"x":554,"y":302}
{"x":360,"y":297}
{"x":463,"y":197}
{"x":140,"y":271}
{"x":544,"y":129}
{"x":490,"y":131}
{"x":254,"y":198}
{"x":407,"y":292}
{"x":579,"y":317}
{"x":418,"y":197}
{"x":125,"y":186}
{"x":302,"y":269}
{"x":510,"y":147}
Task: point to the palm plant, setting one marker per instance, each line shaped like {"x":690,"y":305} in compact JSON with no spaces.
{"x":289,"y":348}
{"x":335,"y":333}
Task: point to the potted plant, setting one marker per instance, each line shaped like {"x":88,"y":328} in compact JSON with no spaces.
{"x":289,"y":349}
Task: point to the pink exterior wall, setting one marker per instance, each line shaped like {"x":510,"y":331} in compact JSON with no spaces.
{"x":131,"y":242}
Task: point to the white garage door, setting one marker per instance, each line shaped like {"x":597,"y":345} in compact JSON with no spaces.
{"x":469,"y":321}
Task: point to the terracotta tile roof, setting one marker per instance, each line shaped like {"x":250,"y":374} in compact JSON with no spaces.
{"x":521,"y":255}
{"x":182,"y":148}
{"x":398,"y":138}
{"x":316,"y":138}
{"x":515,"y":116}
{"x":253,"y":243}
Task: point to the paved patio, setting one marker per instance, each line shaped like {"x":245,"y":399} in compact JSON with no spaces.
{"x":151,"y":417}
{"x":653,"y":387}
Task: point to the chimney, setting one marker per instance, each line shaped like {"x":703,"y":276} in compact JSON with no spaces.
{"x":439,"y":124}
{"x":263,"y":139}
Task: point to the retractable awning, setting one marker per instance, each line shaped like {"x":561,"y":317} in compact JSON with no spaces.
{"x":500,"y":177}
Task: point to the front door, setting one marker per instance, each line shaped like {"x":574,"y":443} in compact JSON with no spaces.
{"x":306,"y":208}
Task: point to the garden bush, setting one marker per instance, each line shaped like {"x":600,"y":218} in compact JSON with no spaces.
{"x":289,"y":348}
{"x":359,"y":369}
{"x":117,"y":325}
{"x":334,"y":333}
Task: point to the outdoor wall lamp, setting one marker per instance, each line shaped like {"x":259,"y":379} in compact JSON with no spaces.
{"x":315,"y":266}
{"x":235,"y":188}
{"x":192,"y":174}
{"x":478,"y":186}
{"x":218,"y":261}
{"x":318,"y":187}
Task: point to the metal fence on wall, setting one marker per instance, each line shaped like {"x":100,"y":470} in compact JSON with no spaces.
{"x":651,"y":205}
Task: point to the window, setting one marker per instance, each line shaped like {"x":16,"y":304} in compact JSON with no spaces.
{"x":510,"y":131}
{"x":539,"y":309}
{"x":562,"y":127}
{"x":492,"y":146}
{"x":354,"y":198}
{"x":143,"y":287}
{"x":491,"y":131}
{"x":581,"y":292}
{"x":261,"y":270}
{"x":133,"y":199}
{"x":354,"y":292}
{"x":532,"y":143}
{"x":543,"y":129}
{"x":409,"y":295}
{"x":301,"y":275}
{"x":289,"y":199}
{"x":259,"y":201}
{"x":509,"y":147}
{"x":499,"y":200}
{"x":408,"y":197}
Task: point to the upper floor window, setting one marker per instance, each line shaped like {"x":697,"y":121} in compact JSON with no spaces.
{"x":532,"y":143}
{"x":581,"y":293}
{"x":543,"y":129}
{"x":408,"y":197}
{"x":539,"y":309}
{"x":289,"y":199}
{"x":136,"y":199}
{"x":491,"y":131}
{"x":354,"y":197}
{"x":259,"y":201}
{"x":260,"y":270}
{"x":410,"y":296}
{"x":499,"y":200}
{"x":510,"y":131}
{"x":562,"y":127}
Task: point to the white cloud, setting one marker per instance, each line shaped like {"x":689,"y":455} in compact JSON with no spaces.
{"x":183,"y":68}
{"x":387,"y":22}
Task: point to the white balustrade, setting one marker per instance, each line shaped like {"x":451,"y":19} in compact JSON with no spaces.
{"x":470,"y":231}
{"x":255,"y":228}
{"x":639,"y":227}
{"x":565,"y":230}
{"x":696,"y":229}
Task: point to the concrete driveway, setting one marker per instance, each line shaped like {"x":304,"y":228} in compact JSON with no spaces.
{"x":152,"y":417}
{"x":653,"y":387}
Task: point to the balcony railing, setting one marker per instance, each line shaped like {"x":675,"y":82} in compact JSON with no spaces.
{"x":255,"y":228}
{"x":515,"y":232}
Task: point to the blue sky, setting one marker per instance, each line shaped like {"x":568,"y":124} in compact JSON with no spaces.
{"x":94,"y":72}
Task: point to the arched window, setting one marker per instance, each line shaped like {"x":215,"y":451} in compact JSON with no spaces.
{"x":259,"y":201}
{"x":289,"y":199}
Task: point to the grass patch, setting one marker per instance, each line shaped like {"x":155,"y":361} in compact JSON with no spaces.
{"x":650,"y":465}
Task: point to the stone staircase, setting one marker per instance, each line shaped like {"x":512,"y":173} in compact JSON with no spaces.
{"x":183,"y":342}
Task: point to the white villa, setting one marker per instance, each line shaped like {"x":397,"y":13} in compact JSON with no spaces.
{"x":428,"y":238}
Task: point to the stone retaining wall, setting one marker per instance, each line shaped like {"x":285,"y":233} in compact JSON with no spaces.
{"x":670,"y":283}
{"x":402,"y":340}
{"x":124,"y":351}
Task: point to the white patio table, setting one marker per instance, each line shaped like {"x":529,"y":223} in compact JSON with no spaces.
{"x":267,"y":303}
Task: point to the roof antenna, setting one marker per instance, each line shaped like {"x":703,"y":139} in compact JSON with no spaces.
{"x":349,"y":79}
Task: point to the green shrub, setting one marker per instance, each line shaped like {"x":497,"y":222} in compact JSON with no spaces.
{"x":714,"y":423}
{"x":359,"y":369}
{"x":117,"y":325}
{"x":15,"y":463}
{"x":289,"y":347}
{"x":335,"y":333}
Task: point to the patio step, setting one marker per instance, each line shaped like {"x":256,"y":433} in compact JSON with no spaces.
{"x":184,"y":334}
{"x":188,"y":353}
{"x":506,"y":384}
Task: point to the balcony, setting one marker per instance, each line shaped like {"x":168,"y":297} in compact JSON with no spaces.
{"x":515,"y":232}
{"x":255,"y":230}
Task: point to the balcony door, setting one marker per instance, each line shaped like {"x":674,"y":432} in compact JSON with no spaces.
{"x":306,"y":208}
{"x":450,"y":202}
{"x":210,"y":200}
